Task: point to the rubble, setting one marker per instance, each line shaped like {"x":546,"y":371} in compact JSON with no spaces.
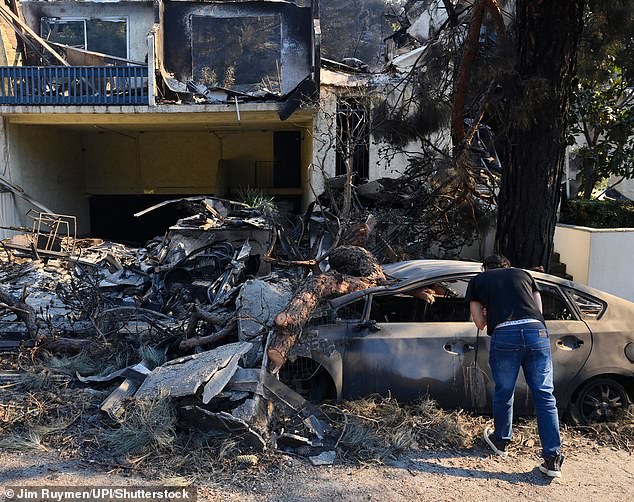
{"x":179,"y":325}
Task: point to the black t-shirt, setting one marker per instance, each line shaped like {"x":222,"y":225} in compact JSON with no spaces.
{"x":507,"y":294}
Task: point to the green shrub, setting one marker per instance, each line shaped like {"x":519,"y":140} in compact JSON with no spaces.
{"x":598,"y":213}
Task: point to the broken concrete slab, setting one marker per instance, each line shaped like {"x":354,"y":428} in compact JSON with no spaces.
{"x":184,"y":376}
{"x":258,"y":303}
{"x":255,"y":411}
{"x":220,"y":378}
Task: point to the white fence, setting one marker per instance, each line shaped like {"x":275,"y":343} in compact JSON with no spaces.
{"x":600,"y":258}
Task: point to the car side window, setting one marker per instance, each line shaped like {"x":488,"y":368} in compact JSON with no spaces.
{"x":591,"y":308}
{"x":555,"y":307}
{"x":442,"y":301}
{"x":352,"y":311}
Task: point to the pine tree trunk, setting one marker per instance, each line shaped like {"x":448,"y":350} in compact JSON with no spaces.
{"x":354,"y":268}
{"x":546,"y":39}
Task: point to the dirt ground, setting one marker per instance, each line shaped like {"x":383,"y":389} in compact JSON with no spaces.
{"x":590,"y":473}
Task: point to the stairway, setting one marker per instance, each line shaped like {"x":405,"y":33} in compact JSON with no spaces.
{"x":556,"y":267}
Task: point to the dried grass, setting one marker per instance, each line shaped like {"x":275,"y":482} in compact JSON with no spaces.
{"x":27,"y":441}
{"x":377,"y":428}
{"x":146,"y":426}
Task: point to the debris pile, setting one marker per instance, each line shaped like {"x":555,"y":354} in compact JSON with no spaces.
{"x":164,"y":337}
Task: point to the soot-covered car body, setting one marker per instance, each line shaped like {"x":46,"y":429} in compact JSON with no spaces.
{"x":391,"y":341}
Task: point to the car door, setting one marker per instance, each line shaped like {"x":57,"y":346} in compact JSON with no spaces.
{"x":408,"y":347}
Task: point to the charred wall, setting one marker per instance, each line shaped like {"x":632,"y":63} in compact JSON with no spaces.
{"x":139,"y":16}
{"x":205,"y":41}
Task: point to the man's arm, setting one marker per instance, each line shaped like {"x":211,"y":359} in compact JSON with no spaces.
{"x":538,"y":301}
{"x":477,"y":314}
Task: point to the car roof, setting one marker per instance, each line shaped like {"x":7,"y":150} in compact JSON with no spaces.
{"x":414,"y":271}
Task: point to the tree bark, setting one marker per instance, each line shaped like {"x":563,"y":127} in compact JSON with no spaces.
{"x":547,"y":35}
{"x":469,"y":54}
{"x":355,"y":269}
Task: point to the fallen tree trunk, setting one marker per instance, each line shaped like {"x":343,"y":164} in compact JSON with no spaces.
{"x":354,"y":268}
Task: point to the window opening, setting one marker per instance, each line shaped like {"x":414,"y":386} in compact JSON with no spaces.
{"x":241,"y":53}
{"x":353,"y":137}
{"x":591,"y":308}
{"x":554,"y":305}
{"x":442,"y":301}
{"x":107,"y":35}
{"x":352,"y":311}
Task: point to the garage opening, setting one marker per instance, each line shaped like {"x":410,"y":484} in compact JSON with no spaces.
{"x":104,"y":173}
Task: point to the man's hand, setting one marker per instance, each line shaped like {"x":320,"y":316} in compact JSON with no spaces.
{"x":478,"y":314}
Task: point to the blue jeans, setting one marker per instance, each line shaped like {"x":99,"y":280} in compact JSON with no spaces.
{"x":528,"y":346}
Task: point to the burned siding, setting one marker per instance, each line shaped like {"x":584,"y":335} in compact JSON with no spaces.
{"x":246,"y":46}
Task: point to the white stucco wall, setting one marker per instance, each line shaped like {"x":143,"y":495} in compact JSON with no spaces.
{"x":600,"y":258}
{"x":47,"y":163}
{"x":381,"y":163}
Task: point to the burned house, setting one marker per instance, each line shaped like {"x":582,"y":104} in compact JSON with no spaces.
{"x":110,"y":107}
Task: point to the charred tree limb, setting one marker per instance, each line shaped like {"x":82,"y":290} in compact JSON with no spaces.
{"x":68,"y":345}
{"x":197,"y":341}
{"x":356,"y":269}
{"x":199,"y":314}
{"x":23,"y":311}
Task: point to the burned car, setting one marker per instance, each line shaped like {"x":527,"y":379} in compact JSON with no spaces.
{"x":413,"y":336}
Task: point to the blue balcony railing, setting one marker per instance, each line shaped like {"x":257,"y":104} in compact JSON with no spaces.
{"x":74,"y":85}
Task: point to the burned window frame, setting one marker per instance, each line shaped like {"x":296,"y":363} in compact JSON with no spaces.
{"x":562,"y":296}
{"x":84,"y":20}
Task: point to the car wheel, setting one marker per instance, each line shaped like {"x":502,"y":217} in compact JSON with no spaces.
{"x":599,"y":400}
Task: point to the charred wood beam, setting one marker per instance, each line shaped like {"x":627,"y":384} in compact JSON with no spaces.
{"x":12,"y":18}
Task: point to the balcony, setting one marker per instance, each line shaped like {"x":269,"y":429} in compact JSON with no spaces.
{"x":74,"y":85}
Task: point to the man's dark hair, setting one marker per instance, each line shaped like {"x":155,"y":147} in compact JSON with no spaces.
{"x":496,"y":261}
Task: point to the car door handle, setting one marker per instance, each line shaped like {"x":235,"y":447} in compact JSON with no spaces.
{"x":457,"y":349}
{"x":569,"y":343}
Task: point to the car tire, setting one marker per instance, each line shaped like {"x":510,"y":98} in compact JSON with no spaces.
{"x":599,"y":400}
